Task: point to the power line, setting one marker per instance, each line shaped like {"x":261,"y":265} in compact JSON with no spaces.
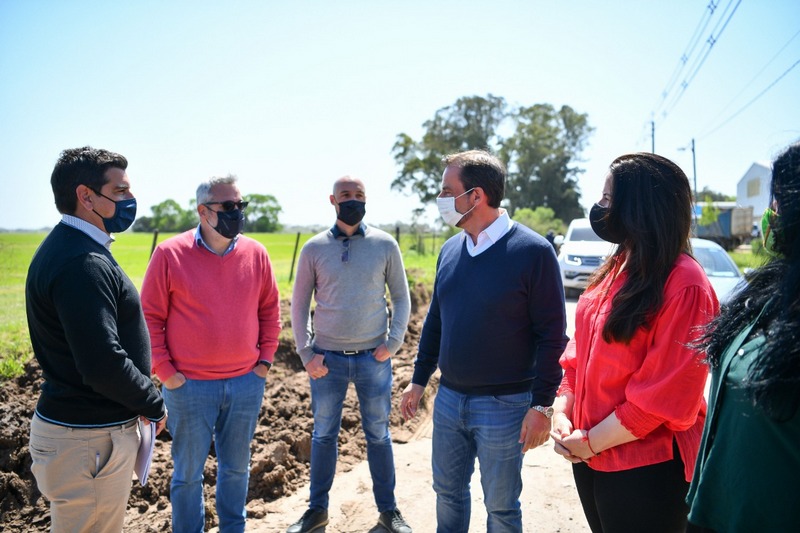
{"x":711,"y":41}
{"x":749,"y":83}
{"x":705,"y":19}
{"x":748,"y":104}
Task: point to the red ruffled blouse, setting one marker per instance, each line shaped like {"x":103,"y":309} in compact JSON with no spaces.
{"x":655,"y":383}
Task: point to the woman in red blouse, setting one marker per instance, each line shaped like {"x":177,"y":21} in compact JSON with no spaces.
{"x":630,"y":409}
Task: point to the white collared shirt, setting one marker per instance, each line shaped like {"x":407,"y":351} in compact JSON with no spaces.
{"x":102,"y":238}
{"x":490,"y":235}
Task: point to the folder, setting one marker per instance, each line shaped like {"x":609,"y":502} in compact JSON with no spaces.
{"x":144,"y":457}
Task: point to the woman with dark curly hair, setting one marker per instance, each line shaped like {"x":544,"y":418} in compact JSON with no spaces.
{"x":748,"y":469}
{"x":630,"y":409}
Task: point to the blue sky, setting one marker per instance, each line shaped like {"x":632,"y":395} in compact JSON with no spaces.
{"x":292,"y":95}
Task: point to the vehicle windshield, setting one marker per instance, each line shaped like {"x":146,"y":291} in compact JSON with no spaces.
{"x":583,"y":234}
{"x":716,"y":262}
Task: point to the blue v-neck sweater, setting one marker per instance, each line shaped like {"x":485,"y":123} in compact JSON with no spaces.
{"x":496,"y":323}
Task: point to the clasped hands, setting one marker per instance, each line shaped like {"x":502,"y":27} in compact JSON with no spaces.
{"x":572,"y":444}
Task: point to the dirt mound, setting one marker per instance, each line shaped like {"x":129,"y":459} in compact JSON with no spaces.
{"x":281,"y":446}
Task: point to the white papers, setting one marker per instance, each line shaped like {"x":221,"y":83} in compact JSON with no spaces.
{"x":145,"y":454}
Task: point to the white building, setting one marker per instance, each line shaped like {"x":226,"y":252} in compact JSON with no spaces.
{"x":753,"y":189}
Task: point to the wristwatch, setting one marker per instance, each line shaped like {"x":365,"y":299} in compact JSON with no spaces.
{"x":546,"y":411}
{"x":265,"y":363}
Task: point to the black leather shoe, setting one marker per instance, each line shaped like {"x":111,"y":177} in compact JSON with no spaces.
{"x":312,"y":520}
{"x":394,"y":522}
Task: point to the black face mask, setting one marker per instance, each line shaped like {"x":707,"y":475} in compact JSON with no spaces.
{"x":598,"y":216}
{"x":352,"y":212}
{"x":230,"y":223}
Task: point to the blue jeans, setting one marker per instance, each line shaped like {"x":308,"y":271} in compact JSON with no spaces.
{"x":486,"y":427}
{"x":199,"y":410}
{"x":373,"y":382}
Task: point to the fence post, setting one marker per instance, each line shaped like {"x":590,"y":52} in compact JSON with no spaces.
{"x":294,"y":256}
{"x":153,"y":247}
{"x":397,"y":234}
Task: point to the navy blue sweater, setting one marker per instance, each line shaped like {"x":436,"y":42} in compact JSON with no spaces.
{"x":88,"y":334}
{"x":496,"y":321}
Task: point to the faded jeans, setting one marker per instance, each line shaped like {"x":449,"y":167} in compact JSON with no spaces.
{"x":227,"y":411}
{"x":373,"y":383}
{"x":466,"y":427}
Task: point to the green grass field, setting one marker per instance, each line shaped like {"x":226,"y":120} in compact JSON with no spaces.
{"x":132,"y":251}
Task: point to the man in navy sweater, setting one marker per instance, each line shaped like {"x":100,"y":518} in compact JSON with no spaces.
{"x":89,"y":336}
{"x":495,"y":328}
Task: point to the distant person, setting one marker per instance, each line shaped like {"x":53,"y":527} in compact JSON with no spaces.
{"x":630,"y":408}
{"x":748,"y":468}
{"x":89,"y":336}
{"x":495,"y":328}
{"x":212,"y":307}
{"x":551,"y":237}
{"x":347,"y":270}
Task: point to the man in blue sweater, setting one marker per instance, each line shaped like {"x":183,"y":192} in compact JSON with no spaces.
{"x":495,"y":328}
{"x":89,"y":336}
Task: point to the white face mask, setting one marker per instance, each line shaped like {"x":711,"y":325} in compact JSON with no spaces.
{"x":447,"y":209}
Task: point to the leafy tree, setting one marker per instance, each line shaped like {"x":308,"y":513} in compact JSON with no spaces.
{"x":541,"y":156}
{"x":710,"y":212}
{"x":166,"y":215}
{"x":713,"y":196}
{"x":470,"y":123}
{"x":143,"y":225}
{"x":262,"y":213}
{"x":541,"y":153}
{"x":540,"y":220}
{"x":188,"y":218}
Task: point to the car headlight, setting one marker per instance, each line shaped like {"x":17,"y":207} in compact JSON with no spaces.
{"x":573,"y":260}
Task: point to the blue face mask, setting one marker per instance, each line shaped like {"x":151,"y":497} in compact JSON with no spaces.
{"x":351,"y":212}
{"x":124,"y":214}
{"x":230,"y":223}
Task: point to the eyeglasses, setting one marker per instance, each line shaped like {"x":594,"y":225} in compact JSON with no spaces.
{"x":229,"y":205}
{"x":346,"y":252}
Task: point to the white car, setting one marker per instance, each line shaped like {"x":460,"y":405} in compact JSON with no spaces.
{"x":722,"y":272}
{"x":580,"y":254}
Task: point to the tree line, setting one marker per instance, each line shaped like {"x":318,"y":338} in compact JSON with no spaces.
{"x":540,"y":145}
{"x":261,"y":216}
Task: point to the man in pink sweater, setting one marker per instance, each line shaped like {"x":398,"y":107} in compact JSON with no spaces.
{"x":211,"y":304}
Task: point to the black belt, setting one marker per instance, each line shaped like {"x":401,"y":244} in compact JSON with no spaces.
{"x":352,"y":352}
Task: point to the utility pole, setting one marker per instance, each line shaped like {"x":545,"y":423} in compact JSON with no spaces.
{"x":653,"y":135}
{"x":694,"y":171}
{"x":694,"y":168}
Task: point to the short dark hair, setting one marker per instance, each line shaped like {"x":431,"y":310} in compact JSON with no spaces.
{"x":479,"y":168}
{"x":81,"y":166}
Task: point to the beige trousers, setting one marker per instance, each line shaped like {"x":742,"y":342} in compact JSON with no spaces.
{"x":85,"y":473}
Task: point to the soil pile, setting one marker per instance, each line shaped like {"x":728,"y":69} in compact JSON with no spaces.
{"x":281,"y":447}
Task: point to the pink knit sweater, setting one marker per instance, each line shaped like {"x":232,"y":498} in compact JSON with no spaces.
{"x":210,"y":317}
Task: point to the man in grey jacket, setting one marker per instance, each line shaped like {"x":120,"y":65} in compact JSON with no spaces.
{"x":347,"y":269}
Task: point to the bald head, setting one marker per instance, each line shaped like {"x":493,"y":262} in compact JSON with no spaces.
{"x":348,"y":182}
{"x":348,"y":191}
{"x":348,"y":188}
